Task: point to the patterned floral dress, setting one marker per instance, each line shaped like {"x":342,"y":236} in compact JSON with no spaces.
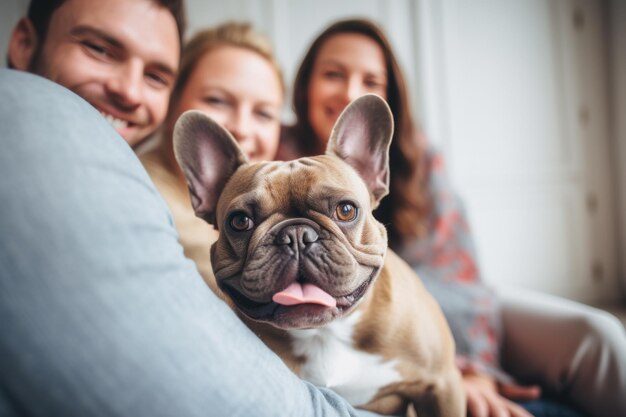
{"x":446,"y":261}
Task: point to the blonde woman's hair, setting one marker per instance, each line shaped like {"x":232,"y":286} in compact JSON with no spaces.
{"x":238,"y":34}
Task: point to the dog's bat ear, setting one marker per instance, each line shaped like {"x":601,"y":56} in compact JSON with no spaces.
{"x":208,"y":156}
{"x":361,"y":137}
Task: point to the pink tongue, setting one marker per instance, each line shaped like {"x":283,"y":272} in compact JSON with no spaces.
{"x":298,"y":293}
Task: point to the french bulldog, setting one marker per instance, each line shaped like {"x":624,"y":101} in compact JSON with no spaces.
{"x":305,"y":264}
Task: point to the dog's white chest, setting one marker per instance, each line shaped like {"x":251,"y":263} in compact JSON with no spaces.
{"x":333,"y":362}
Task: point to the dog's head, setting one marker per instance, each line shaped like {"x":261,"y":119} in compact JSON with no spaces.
{"x":298,"y":245}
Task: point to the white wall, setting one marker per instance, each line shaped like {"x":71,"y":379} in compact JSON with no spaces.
{"x":10,"y":12}
{"x":617,"y":13}
{"x":522,"y":114}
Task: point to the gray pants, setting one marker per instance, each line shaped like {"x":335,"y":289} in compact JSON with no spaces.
{"x":572,"y":350}
{"x":100,"y":312}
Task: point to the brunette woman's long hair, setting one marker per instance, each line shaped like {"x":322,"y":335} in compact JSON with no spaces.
{"x":404,"y":210}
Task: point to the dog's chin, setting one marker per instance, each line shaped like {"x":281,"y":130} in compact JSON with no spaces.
{"x":303,"y":316}
{"x":300,"y":316}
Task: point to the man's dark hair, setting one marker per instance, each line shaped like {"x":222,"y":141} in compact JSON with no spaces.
{"x":40,"y":12}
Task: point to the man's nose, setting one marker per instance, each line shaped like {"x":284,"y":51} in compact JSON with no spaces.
{"x":125,"y":85}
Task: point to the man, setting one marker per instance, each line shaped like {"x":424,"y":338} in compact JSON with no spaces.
{"x":121,"y":56}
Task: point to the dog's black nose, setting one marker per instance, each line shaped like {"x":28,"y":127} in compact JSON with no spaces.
{"x":300,"y":235}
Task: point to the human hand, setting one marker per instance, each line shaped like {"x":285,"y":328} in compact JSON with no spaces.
{"x":486,"y":399}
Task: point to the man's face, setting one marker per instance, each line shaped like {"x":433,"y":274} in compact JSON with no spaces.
{"x":119,"y":55}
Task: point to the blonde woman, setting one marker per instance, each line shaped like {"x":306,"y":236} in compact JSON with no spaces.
{"x":229,"y":72}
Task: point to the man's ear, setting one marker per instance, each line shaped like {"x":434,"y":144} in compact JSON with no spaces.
{"x":22,"y":45}
{"x":208,"y":156}
{"x":361,"y":137}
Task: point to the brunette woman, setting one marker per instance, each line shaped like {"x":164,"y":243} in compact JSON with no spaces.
{"x":562,"y":348}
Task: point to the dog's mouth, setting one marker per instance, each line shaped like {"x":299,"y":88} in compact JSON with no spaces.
{"x":287,"y":310}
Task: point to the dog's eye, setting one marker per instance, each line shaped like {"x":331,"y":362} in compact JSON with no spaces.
{"x":240,"y":222}
{"x":345,"y":212}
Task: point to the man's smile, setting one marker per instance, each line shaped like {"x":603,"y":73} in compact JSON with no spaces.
{"x":118,"y":124}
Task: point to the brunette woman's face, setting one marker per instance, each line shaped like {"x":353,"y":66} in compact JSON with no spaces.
{"x":242,"y":91}
{"x":347,"y":66}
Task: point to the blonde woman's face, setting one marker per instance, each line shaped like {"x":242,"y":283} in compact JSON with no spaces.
{"x":240,"y":90}
{"x":347,"y":66}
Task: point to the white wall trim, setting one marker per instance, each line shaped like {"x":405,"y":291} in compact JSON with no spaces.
{"x":617,"y":16}
{"x":430,"y":97}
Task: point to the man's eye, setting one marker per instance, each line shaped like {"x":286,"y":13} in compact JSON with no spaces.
{"x":345,"y":212}
{"x":240,"y":222}
{"x":96,"y":49}
{"x":157,"y":80}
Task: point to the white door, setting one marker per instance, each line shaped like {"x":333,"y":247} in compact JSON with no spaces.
{"x":521,"y":113}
